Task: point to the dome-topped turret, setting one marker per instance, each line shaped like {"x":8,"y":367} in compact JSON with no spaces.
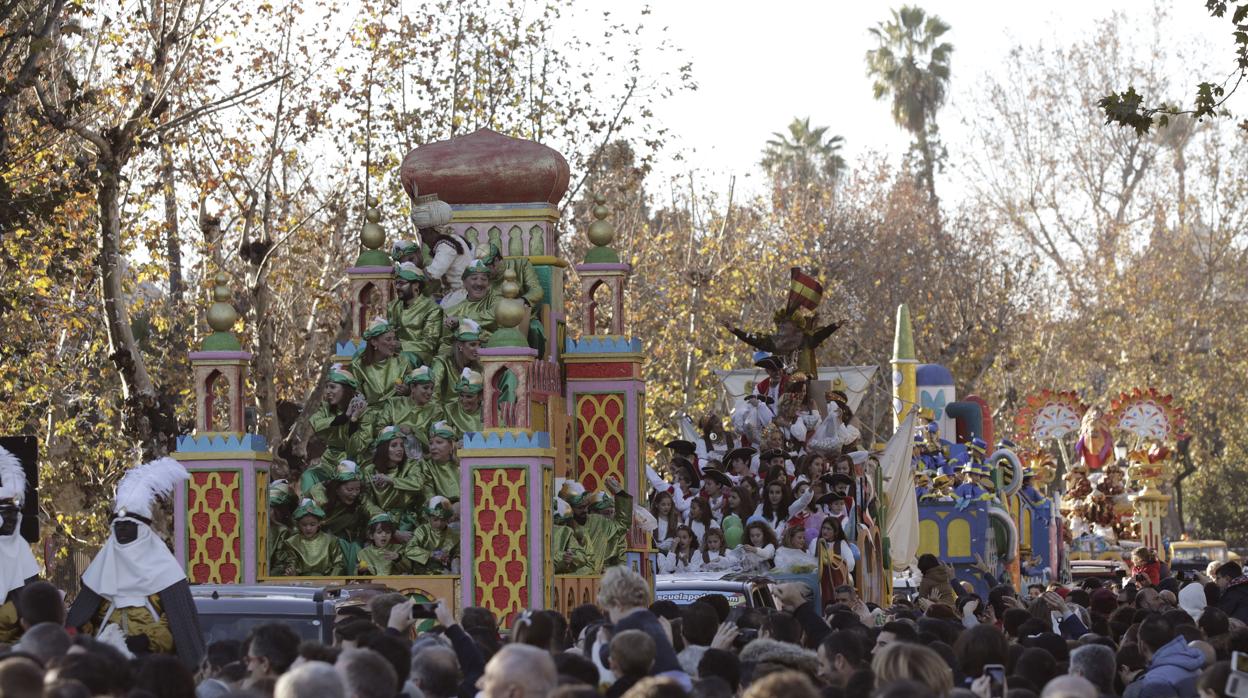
{"x":486,"y":167}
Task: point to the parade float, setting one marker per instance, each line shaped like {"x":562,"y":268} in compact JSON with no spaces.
{"x":568,"y":409}
{"x":1117,"y":464}
{"x":559,"y":410}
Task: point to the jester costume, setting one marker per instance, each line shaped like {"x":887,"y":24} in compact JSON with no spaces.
{"x":468,"y":390}
{"x":281,"y":499}
{"x":796,"y":336}
{"x":379,"y":379}
{"x":479,"y":310}
{"x":446,"y":370}
{"x":408,"y":411}
{"x":441,"y":478}
{"x":569,"y":548}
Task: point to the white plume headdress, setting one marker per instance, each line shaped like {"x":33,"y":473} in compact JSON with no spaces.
{"x":12,"y":477}
{"x":143,"y":484}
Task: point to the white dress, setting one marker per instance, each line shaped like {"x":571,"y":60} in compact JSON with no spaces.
{"x":790,"y":560}
{"x":756,"y":561}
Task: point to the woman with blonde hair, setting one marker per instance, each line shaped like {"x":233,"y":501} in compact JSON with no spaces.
{"x":903,"y":660}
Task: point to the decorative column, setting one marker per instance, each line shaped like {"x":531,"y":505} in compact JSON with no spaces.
{"x":1151,"y":506}
{"x":221,"y":514}
{"x":505,"y":559}
{"x":606,"y":392}
{"x":370,"y":281}
{"x":505,"y":361}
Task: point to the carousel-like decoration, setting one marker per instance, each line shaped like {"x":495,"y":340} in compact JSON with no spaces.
{"x":1114,"y":491}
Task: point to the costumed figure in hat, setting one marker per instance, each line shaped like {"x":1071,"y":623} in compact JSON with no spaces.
{"x":465,"y":413}
{"x":531,"y":291}
{"x":922,"y":481}
{"x":777,"y":378}
{"x":310,"y":551}
{"x":413,"y":413}
{"x":393,"y":483}
{"x":449,"y":252}
{"x":741,"y":463}
{"x":336,"y":423}
{"x":932,"y":452}
{"x":797,"y":332}
{"x":604,"y":538}
{"x":941,"y":489}
{"x":19,"y":566}
{"x":448,"y":368}
{"x":1095,"y":446}
{"x":835,"y":432}
{"x":282,"y":503}
{"x":752,"y":416}
{"x":715,"y":487}
{"x":434,"y":547}
{"x":441,"y":467}
{"x":378,"y":367}
{"x":407,"y":251}
{"x":384,"y":555}
{"x":345,"y":510}
{"x":416,"y":319}
{"x":975,"y":487}
{"x":715,"y":438}
{"x":569,"y":547}
{"x":134,"y":582}
{"x":477,"y":305}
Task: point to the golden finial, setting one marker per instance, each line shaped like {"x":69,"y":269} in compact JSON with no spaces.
{"x":222,"y":315}
{"x":510,"y":310}
{"x":372,"y":236}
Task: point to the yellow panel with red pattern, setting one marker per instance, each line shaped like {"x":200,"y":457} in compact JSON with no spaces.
{"x":500,"y":525}
{"x":601,"y":427}
{"x":214,"y":530}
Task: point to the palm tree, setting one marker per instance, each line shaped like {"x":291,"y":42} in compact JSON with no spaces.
{"x":913,"y":68}
{"x":803,"y":156}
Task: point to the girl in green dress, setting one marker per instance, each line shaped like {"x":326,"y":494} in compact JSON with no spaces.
{"x":379,"y":368}
{"x":441,"y":468}
{"x":311,"y":552}
{"x":434,"y":547}
{"x":334,"y":422}
{"x":382,"y":556}
{"x":393,"y":483}
{"x":465,"y":413}
{"x":282,"y":503}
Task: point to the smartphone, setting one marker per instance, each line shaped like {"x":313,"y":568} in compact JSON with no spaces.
{"x":1237,"y":682}
{"x":424,"y":610}
{"x":996,"y":680}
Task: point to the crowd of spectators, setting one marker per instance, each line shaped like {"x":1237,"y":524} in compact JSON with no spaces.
{"x":1091,"y":640}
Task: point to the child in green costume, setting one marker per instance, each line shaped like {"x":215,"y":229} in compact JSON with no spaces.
{"x":311,"y":552}
{"x":434,"y":547}
{"x":382,"y":556}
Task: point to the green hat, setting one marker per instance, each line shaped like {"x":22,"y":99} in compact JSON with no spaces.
{"x":444,"y":430}
{"x":439,"y":507}
{"x":409,"y":272}
{"x":381,"y":518}
{"x":601,"y":501}
{"x":420,"y":374}
{"x":376,"y":327}
{"x":470,"y":382}
{"x":573,"y":492}
{"x":402,"y":248}
{"x":390,"y":433}
{"x":307,"y":507}
{"x":280,"y":493}
{"x":478,"y":266}
{"x":340,"y":375}
{"x":493,"y":255}
{"x":468,"y":330}
{"x":347,"y":471}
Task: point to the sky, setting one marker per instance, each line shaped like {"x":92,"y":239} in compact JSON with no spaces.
{"x":758,"y":65}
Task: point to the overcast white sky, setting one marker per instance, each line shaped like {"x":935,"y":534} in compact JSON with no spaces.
{"x":759,"y":64}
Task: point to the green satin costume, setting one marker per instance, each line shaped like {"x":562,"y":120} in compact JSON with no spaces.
{"x":370,"y":561}
{"x":319,"y":556}
{"x":417,"y":325}
{"x":425,"y":540}
{"x":401,"y":499}
{"x":566,"y":539}
{"x":440,"y":479}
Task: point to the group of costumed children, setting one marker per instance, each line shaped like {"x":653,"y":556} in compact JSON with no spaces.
{"x":939,"y":477}
{"x":383,"y":495}
{"x":785,"y":492}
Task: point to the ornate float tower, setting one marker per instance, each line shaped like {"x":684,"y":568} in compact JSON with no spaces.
{"x":220,"y":512}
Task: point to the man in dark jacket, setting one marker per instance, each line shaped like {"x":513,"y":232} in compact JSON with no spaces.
{"x":1234,"y":586}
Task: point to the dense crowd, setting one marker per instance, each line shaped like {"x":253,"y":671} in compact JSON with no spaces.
{"x":1140,"y":639}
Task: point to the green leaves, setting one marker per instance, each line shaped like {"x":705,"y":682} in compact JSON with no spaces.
{"x":1124,"y":108}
